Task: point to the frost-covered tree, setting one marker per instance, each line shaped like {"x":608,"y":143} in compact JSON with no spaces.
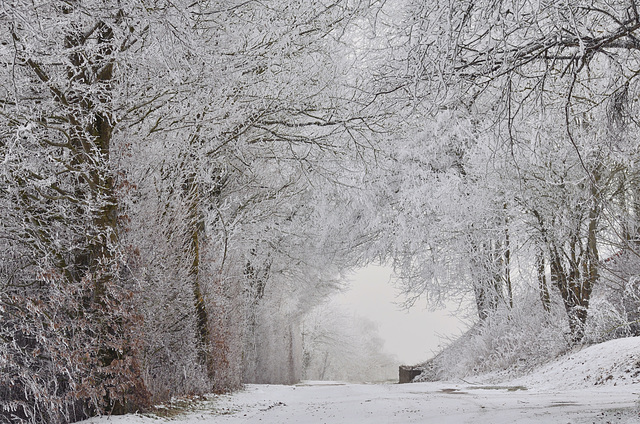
{"x":66,"y":318}
{"x":539,"y":86}
{"x":158,"y":164}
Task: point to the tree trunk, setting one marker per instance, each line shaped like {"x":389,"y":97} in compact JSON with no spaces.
{"x":91,"y":145}
{"x":196,"y":227}
{"x":491,"y":277}
{"x":545,"y":297}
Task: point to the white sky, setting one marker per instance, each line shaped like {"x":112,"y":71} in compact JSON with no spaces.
{"x":412,"y":336}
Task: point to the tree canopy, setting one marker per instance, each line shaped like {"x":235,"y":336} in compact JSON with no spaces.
{"x":184,"y":184}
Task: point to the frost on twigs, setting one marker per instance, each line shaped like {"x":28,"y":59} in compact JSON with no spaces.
{"x":57,"y":344}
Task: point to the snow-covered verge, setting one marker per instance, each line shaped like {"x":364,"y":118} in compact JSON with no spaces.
{"x":613,"y":363}
{"x":597,"y":384}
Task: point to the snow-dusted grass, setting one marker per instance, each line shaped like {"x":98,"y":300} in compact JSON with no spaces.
{"x":597,"y":384}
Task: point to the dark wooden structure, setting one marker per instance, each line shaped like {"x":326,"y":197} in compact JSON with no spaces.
{"x":408,"y":373}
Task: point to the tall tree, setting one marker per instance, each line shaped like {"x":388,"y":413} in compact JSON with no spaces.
{"x":148,"y":150}
{"x":537,"y":77}
{"x":62,"y":213}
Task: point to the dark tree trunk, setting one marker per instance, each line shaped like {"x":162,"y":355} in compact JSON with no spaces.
{"x":545,"y":297}
{"x":196,"y":228}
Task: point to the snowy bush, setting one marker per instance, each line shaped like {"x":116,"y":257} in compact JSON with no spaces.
{"x":67,"y":358}
{"x":606,"y":321}
{"x":615,"y":309}
{"x":513,"y":339}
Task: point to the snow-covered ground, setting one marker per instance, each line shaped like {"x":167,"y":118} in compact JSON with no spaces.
{"x":598,"y":384}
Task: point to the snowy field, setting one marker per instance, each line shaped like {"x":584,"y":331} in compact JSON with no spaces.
{"x":598,"y":384}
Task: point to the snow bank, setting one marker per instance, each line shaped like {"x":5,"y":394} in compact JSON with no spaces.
{"x":615,"y":362}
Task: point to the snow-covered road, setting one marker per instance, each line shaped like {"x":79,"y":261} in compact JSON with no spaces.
{"x":598,"y":384}
{"x":438,"y":403}
{"x":426,"y":403}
